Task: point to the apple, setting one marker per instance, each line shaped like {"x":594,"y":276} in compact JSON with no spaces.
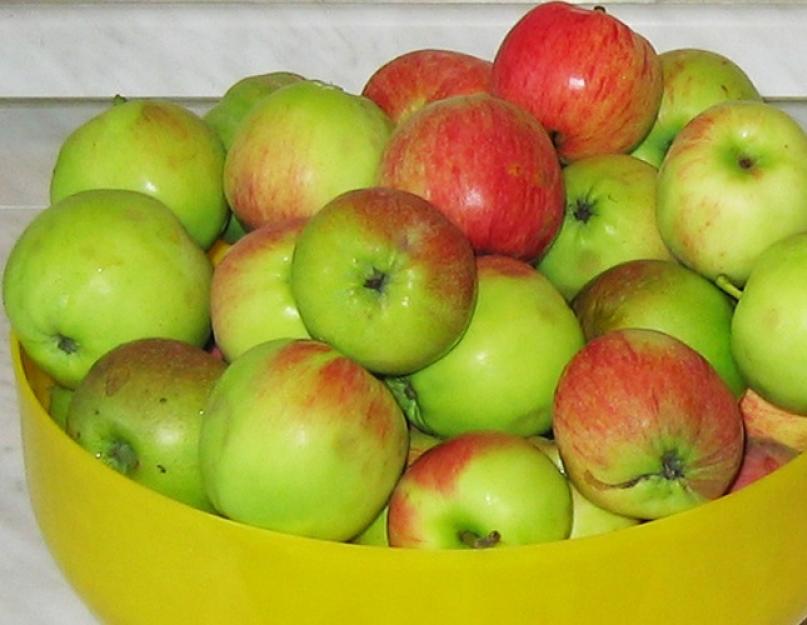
{"x":480,"y":490}
{"x":300,"y":439}
{"x":763,"y":420}
{"x":760,"y":458}
{"x":140,"y":409}
{"x":645,"y":425}
{"x":376,"y":533}
{"x":610,"y":218}
{"x":588,"y":519}
{"x":153,"y":146}
{"x":487,"y":165}
{"x":385,"y":277}
{"x":240,"y":98}
{"x":668,"y":297}
{"x":694,"y":79}
{"x":503,"y":372}
{"x":768,"y":332}
{"x":411,"y":80}
{"x":250,"y":294}
{"x":733,"y":182}
{"x":59,"y":398}
{"x":592,"y":81}
{"x":300,"y":147}
{"x":100,"y":268}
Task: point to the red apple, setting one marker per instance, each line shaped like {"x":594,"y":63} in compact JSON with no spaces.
{"x":488,"y":165}
{"x":593,"y":82}
{"x":765,"y":420}
{"x":645,"y":425}
{"x":761,"y":457}
{"x":410,"y":81}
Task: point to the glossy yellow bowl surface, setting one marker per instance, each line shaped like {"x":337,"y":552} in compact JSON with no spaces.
{"x":137,"y":558}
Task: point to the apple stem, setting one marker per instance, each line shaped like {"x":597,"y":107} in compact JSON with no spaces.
{"x":475,"y":541}
{"x":727,"y":286}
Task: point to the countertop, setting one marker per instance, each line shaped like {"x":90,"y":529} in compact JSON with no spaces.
{"x":60,"y":62}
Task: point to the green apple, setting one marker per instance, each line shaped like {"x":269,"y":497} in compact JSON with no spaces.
{"x":588,"y":519}
{"x":140,"y":409}
{"x":300,"y":147}
{"x":385,"y":277}
{"x":156,"y":147}
{"x":300,"y":439}
{"x":733,"y":183}
{"x":645,"y":425}
{"x":250,"y":295}
{"x":610,"y":218}
{"x":101,"y":268}
{"x":694,"y":79}
{"x":768,"y":330}
{"x":240,"y":98}
{"x":502,"y":373}
{"x":480,"y":490}
{"x":665,"y":296}
{"x":59,"y":398}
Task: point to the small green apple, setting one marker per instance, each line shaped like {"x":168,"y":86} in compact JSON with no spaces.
{"x":300,"y":147}
{"x":156,"y":147}
{"x":768,"y":331}
{"x":610,"y":218}
{"x":101,"y":268}
{"x":250,"y":295}
{"x":300,"y":439}
{"x":502,"y":373}
{"x":59,"y":403}
{"x":240,"y":98}
{"x":733,"y":182}
{"x":385,"y":277}
{"x":694,"y":79}
{"x":140,"y":409}
{"x":665,"y":296}
{"x":480,"y":490}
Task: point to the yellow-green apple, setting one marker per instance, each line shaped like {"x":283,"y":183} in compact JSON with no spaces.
{"x":590,"y":79}
{"x":588,"y":519}
{"x":768,"y":330}
{"x":240,"y":98}
{"x":300,"y":147}
{"x":761,"y":457}
{"x":610,"y":218}
{"x":376,"y":532}
{"x":59,"y":403}
{"x":733,"y":182}
{"x":300,"y":439}
{"x":100,"y":268}
{"x":645,"y":425}
{"x":764,"y":420}
{"x":140,"y":409}
{"x":480,"y":490}
{"x":250,"y":294}
{"x":411,"y":80}
{"x":503,"y":372}
{"x":694,"y":79}
{"x":385,"y":277}
{"x":153,"y":146}
{"x":665,"y":296}
{"x":488,"y":165}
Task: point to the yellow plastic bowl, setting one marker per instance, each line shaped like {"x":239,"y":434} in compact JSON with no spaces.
{"x":138,"y":558}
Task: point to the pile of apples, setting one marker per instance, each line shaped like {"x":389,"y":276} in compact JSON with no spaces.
{"x":485,"y":302}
